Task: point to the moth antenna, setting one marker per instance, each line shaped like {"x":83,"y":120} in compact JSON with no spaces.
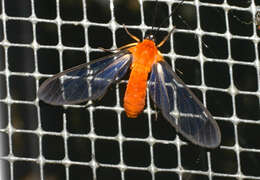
{"x":164,"y":21}
{"x":154,"y":17}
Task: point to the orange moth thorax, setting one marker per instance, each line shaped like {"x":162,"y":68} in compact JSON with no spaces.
{"x":145,"y":54}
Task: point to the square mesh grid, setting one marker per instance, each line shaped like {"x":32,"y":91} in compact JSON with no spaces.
{"x":39,"y":38}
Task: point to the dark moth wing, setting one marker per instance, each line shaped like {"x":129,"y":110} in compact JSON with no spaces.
{"x":182,"y":108}
{"x":87,"y":81}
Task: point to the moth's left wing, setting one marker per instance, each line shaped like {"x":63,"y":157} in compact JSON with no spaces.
{"x":88,"y":81}
{"x":182,"y":108}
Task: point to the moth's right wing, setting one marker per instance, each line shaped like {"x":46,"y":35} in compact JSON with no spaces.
{"x":182,"y":108}
{"x":85,"y":82}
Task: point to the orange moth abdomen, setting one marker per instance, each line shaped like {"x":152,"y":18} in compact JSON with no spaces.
{"x":134,"y":99}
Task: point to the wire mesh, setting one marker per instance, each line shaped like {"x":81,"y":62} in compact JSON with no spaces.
{"x":215,"y":46}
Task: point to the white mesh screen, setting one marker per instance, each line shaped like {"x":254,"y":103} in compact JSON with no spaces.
{"x":39,"y":38}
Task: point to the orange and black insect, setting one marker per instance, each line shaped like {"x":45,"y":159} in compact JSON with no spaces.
{"x":257,"y":18}
{"x":176,"y":102}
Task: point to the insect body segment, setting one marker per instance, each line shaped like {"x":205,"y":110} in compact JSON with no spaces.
{"x":145,"y":54}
